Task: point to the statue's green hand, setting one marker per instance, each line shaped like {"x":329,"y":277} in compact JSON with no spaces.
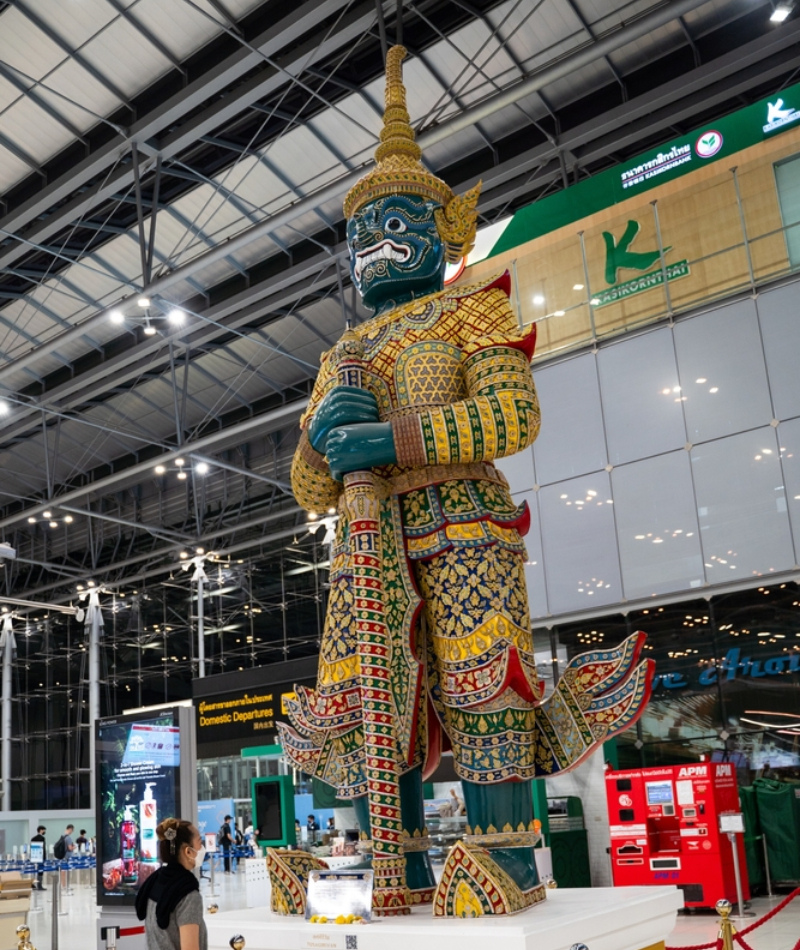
{"x":344,"y":405}
{"x":352,"y":448}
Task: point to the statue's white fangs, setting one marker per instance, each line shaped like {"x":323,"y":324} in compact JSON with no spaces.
{"x":385,"y":251}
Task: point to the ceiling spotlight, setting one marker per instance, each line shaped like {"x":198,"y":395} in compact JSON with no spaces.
{"x":143,"y":302}
{"x":116,"y":316}
{"x":200,"y":550}
{"x":160,"y":470}
{"x":180,"y":462}
{"x":53,"y":524}
{"x":538,"y":299}
{"x":149,"y":329}
{"x":4,"y":408}
{"x":176,"y":315}
{"x":182,"y":475}
{"x":31,"y":521}
{"x":68,"y":519}
{"x":184,"y":555}
{"x":201,"y":468}
{"x":577,"y":286}
{"x":781,"y":13}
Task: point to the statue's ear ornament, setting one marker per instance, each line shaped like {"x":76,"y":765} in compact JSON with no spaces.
{"x":457,"y":223}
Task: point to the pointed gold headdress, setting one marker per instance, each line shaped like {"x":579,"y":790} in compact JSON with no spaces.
{"x":399,"y":171}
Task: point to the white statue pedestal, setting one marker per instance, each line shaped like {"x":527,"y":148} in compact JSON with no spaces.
{"x":603,"y":918}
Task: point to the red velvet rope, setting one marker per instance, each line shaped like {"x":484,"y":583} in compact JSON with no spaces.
{"x":768,"y":916}
{"x":738,"y":937}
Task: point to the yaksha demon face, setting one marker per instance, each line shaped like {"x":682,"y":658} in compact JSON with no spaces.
{"x":396,"y":253}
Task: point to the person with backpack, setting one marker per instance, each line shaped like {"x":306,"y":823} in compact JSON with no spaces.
{"x":62,"y":849}
{"x":225,"y":837}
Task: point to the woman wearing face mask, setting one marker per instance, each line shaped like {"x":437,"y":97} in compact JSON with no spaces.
{"x":169,"y":900}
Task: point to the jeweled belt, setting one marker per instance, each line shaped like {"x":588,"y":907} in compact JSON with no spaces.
{"x":436,"y":474}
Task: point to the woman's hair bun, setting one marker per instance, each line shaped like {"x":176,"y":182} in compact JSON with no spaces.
{"x":167,"y":825}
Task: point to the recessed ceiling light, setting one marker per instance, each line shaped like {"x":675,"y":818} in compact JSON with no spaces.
{"x":143,"y":302}
{"x":116,"y":316}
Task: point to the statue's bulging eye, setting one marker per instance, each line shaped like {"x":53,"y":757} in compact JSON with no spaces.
{"x":395,"y":225}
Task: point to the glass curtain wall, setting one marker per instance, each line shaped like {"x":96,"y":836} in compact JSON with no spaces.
{"x":256,"y":612}
{"x":727,"y":682}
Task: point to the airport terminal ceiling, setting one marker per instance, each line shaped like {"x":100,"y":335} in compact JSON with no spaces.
{"x":196,"y":153}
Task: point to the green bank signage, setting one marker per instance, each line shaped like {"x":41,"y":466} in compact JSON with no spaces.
{"x":671,"y":160}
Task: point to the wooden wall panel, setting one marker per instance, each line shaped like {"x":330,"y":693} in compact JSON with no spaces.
{"x":700,"y":221}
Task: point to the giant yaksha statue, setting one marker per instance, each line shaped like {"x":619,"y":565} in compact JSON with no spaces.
{"x":427,"y":643}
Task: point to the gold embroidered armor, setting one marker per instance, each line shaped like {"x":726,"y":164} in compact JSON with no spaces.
{"x":452,"y":374}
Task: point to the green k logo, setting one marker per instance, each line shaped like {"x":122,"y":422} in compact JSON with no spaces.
{"x":618,"y":255}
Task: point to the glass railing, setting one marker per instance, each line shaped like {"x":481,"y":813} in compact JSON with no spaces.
{"x":714,"y":234}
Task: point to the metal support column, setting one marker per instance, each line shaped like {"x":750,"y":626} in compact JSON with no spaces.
{"x":199,"y":577}
{"x":8,"y":646}
{"x":94,"y":621}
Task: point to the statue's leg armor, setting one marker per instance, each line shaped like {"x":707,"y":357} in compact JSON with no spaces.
{"x":419,"y":873}
{"x":500,"y":805}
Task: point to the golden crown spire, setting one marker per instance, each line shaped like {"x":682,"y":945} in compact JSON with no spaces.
{"x":399,"y":171}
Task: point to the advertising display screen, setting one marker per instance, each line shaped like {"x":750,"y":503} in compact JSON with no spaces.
{"x":138,"y":785}
{"x":659,"y":793}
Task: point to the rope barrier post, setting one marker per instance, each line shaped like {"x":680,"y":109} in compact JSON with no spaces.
{"x":54,"y":919}
{"x":726,"y":930}
{"x":109,"y":934}
{"x":737,"y":874}
{"x":766,"y":864}
{"x":212,"y":892}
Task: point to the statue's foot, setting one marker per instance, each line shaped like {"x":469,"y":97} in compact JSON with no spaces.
{"x":474,"y":885}
{"x":288,"y":876}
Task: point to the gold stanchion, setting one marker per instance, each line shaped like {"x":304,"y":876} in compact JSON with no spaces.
{"x":24,"y":938}
{"x":726,"y":930}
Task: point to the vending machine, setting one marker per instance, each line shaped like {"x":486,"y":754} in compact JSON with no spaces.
{"x":671,"y":825}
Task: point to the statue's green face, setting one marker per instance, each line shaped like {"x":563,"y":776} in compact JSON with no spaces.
{"x":396,"y":253}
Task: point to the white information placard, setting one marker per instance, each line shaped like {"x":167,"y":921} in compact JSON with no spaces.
{"x":333,"y":894}
{"x":732,"y":824}
{"x":37,"y":852}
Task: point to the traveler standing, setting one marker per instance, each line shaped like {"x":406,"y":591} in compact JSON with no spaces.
{"x":62,"y":852}
{"x":169,"y":901}
{"x":39,"y":836}
{"x":226,"y":842}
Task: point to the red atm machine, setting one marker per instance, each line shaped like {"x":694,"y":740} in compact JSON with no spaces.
{"x":665,"y":829}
